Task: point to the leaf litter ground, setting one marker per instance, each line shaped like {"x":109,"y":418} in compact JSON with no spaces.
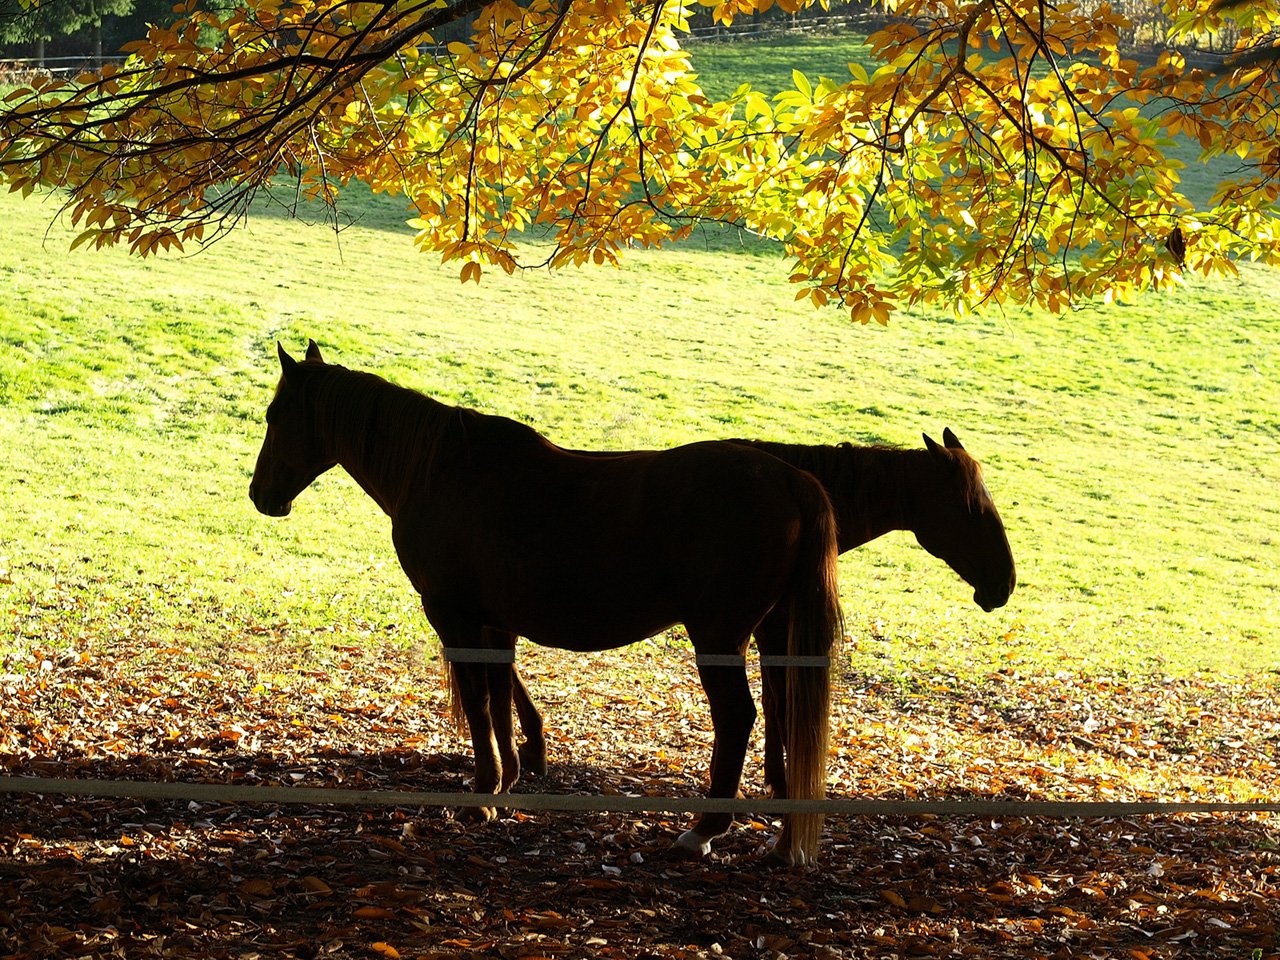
{"x":129,"y":878}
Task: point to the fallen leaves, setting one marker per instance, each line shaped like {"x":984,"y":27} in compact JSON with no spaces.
{"x":84,"y":876}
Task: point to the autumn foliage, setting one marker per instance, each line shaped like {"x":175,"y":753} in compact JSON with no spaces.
{"x":994,"y":150}
{"x":89,"y":877}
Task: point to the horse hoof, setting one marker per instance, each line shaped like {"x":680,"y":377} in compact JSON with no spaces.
{"x":532,"y":762}
{"x":776,"y":859}
{"x":689,"y":846}
{"x":477,"y":815}
{"x":780,"y":857}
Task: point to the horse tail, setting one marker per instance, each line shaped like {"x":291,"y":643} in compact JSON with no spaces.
{"x":815,"y":627}
{"x":456,"y":714}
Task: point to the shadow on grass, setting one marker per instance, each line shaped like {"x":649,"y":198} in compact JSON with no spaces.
{"x":358,"y":206}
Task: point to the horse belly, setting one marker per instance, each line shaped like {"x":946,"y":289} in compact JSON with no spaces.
{"x":557,"y":598}
{"x":600,"y":555}
{"x":582,"y":610}
{"x":605,"y":635}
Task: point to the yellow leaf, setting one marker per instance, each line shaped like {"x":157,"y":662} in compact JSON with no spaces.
{"x":388,"y":951}
{"x":258,"y":889}
{"x":316,"y":885}
{"x":802,"y":84}
{"x":893,"y":898}
{"x":757,"y":106}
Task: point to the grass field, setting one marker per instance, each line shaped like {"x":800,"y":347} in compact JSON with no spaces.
{"x":1132,"y":450}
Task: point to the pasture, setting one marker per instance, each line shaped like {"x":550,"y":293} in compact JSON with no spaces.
{"x":154,"y":624}
{"x":1132,"y":450}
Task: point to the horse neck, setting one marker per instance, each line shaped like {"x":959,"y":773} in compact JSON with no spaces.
{"x":381,"y":434}
{"x":868,"y":486}
{"x":877,"y":495}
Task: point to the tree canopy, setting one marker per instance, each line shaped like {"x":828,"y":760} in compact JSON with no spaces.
{"x":995,"y":150}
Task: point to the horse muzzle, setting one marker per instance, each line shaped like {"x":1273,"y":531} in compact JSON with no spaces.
{"x":278,"y":509}
{"x":990,"y":599}
{"x":988,"y":603}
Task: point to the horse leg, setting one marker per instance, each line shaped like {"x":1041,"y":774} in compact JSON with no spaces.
{"x":732,"y":714}
{"x":533,"y":751}
{"x":471,"y":686}
{"x":499,"y":680}
{"x":771,"y":640}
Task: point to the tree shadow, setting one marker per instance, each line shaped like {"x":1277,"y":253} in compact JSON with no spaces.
{"x":359,"y":206}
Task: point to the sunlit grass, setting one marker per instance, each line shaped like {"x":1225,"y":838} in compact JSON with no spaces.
{"x":1132,"y":450}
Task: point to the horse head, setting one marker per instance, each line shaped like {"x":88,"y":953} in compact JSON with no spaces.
{"x":959,"y":524}
{"x":292,"y":454}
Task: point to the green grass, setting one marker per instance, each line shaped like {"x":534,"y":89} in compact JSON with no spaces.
{"x":1134,"y":451}
{"x":768,"y":65}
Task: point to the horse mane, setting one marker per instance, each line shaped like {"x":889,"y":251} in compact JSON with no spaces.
{"x":394,"y":430}
{"x":850,"y":472}
{"x":842,"y":462}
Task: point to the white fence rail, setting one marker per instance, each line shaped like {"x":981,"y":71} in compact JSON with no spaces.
{"x":18,"y":70}
{"x":240,"y":793}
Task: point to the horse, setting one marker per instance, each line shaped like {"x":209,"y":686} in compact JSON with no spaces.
{"x":936,"y":492}
{"x":504,"y":534}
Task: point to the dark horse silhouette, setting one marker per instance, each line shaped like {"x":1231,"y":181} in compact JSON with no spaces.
{"x":936,"y":492}
{"x":504,"y":535}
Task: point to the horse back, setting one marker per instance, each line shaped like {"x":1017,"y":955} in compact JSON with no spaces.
{"x":591,"y":552}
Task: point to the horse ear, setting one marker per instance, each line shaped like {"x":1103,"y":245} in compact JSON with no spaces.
{"x":941,"y":455}
{"x":287,"y":363}
{"x":313,"y":352}
{"x":951,"y":440}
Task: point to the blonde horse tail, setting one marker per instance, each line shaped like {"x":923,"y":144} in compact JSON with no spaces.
{"x":456,"y":713}
{"x":815,"y":628}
